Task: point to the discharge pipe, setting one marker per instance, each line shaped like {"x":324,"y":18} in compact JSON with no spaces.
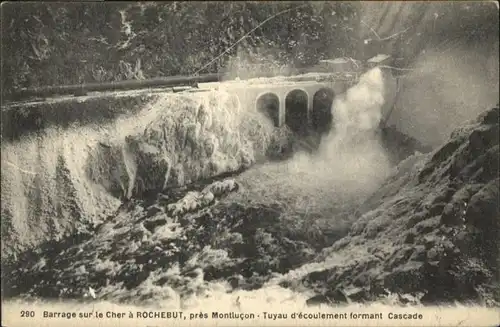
{"x":83,"y":89}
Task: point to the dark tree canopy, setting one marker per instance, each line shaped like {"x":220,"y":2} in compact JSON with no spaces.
{"x":70,"y":43}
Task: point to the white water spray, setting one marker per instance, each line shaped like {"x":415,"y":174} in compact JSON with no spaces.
{"x":351,"y":162}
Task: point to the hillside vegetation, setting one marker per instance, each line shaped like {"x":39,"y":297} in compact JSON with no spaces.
{"x":82,"y":42}
{"x":86,"y":42}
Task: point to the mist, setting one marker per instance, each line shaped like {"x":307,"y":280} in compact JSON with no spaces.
{"x":351,"y":156}
{"x":349,"y":164}
{"x":444,"y":91}
{"x":448,"y":52}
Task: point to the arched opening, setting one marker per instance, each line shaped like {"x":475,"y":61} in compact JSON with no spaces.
{"x":269,"y":105}
{"x":296,"y":111}
{"x":321,"y":115}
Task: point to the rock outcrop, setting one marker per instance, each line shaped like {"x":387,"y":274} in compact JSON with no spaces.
{"x":430,"y":233}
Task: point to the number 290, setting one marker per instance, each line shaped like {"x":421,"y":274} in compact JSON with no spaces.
{"x":27,"y":314}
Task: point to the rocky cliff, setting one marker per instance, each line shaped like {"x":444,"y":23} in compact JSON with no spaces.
{"x":429,"y":234}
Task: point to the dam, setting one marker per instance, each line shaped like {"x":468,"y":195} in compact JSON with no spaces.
{"x":299,"y":104}
{"x":302,"y":102}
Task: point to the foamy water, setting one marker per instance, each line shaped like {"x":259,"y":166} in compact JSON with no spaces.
{"x":60,"y":178}
{"x":56,"y":179}
{"x":44,"y":187}
{"x":53,"y":168}
{"x":188,"y":135}
{"x":351,"y":162}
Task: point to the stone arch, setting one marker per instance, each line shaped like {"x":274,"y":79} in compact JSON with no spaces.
{"x":321,"y":115}
{"x":269,"y":105}
{"x":296,"y":111}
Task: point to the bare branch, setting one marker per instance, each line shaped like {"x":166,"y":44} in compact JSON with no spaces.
{"x":394,"y":35}
{"x":244,"y":36}
{"x":385,"y":38}
{"x":376,"y":34}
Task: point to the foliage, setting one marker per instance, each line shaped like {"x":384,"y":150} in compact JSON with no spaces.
{"x":70,"y":43}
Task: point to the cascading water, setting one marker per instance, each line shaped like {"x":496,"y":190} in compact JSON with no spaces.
{"x":60,"y":179}
{"x":349,"y":164}
{"x":180,"y":139}
{"x":174,"y":140}
{"x":334,"y":224}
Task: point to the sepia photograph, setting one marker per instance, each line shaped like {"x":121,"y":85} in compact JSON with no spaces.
{"x":250,"y":163}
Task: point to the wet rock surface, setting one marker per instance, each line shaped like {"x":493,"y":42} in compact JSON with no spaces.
{"x":434,"y":238}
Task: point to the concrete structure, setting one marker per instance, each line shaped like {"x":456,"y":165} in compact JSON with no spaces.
{"x":284,"y":99}
{"x":301,"y":102}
